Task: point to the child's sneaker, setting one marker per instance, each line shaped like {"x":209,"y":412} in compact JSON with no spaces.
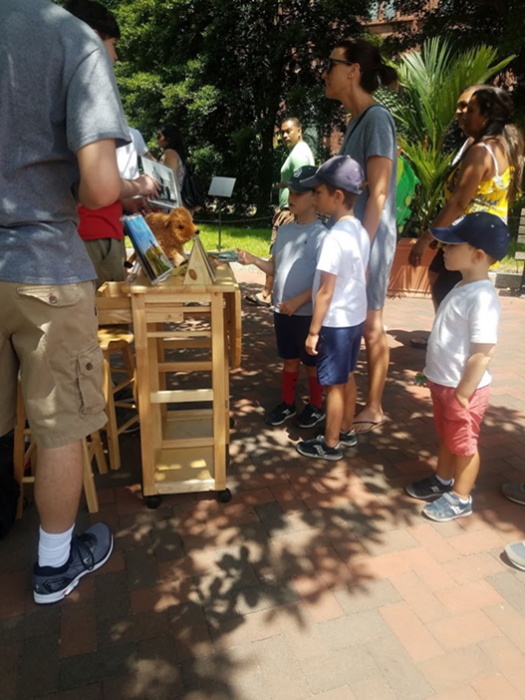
{"x":310,"y":416}
{"x":89,"y":551}
{"x":448,"y":507}
{"x":431,"y":487}
{"x":348,"y":439}
{"x":516,"y":554}
{"x":281,"y":413}
{"x":318,"y":449}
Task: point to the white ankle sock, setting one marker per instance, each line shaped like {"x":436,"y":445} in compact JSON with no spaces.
{"x":53,"y":550}
{"x":444,"y":482}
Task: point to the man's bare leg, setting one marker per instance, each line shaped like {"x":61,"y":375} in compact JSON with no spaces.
{"x":378,"y":358}
{"x":58,"y":485}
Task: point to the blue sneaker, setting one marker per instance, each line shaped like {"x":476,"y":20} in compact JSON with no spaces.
{"x":89,"y":551}
{"x":348,"y":439}
{"x":428,"y":488}
{"x":448,"y":507}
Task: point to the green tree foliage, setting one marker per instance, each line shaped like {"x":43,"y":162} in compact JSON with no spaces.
{"x":431,"y":82}
{"x":227,"y":72}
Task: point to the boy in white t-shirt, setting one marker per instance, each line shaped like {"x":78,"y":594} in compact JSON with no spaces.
{"x":340,"y":304}
{"x":292,"y":267}
{"x":459,"y":350}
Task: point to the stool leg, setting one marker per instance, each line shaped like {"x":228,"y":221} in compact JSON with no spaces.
{"x":19,"y":450}
{"x":89,"y":479}
{"x":111,"y":427}
{"x":99,"y":453}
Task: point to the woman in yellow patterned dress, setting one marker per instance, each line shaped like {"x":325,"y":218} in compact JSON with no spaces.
{"x":486,"y":177}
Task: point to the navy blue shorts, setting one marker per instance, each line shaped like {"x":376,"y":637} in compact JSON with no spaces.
{"x":291,"y":333}
{"x":338,"y":350}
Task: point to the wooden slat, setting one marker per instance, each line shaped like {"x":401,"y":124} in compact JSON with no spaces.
{"x":219,"y":384}
{"x":204,"y":366}
{"x":181,"y":395}
{"x":174,"y":334}
{"x":180,"y":443}
{"x":187,"y":343}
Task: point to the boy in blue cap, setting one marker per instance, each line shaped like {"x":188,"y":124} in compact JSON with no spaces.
{"x":292,"y":266}
{"x":459,"y":350}
{"x":340,"y":305}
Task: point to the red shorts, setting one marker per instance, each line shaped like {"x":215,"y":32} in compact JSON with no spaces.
{"x":456,"y":425}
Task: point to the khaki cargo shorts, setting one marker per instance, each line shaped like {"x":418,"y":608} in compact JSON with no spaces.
{"x":49,"y":333}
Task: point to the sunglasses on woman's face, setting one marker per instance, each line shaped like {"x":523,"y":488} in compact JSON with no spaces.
{"x":331,"y":61}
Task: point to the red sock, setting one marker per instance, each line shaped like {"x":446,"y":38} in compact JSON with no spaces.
{"x":289,"y":382}
{"x":316,"y":392}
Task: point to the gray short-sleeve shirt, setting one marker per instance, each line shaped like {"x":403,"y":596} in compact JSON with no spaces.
{"x":373,"y":133}
{"x":295,"y":252}
{"x":58,"y":94}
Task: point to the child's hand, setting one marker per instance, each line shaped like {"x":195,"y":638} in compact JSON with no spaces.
{"x":311,"y":343}
{"x":244,"y":257}
{"x":289,"y":307}
{"x":463,"y":400}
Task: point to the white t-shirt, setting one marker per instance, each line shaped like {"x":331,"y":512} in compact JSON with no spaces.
{"x":344,"y":252}
{"x":127,"y":155}
{"x":468,"y":314}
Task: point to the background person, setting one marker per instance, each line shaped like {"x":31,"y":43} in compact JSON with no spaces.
{"x":101,"y":229}
{"x":486,"y":177}
{"x":174,"y":152}
{"x":354,"y":71}
{"x":300,"y":155}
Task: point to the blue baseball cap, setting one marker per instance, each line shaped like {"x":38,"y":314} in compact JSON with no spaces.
{"x":296,"y":182}
{"x":341,"y":172}
{"x":480,"y":229}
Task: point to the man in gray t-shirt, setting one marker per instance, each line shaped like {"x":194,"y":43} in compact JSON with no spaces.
{"x":60,"y":121}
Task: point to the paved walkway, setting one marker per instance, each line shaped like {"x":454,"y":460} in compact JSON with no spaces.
{"x":316,"y":581}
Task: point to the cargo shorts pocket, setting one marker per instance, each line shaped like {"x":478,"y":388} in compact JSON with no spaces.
{"x":89,"y":376}
{"x":53,"y":295}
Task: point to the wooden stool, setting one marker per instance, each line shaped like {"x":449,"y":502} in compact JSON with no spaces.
{"x":117,"y":340}
{"x":21,"y":456}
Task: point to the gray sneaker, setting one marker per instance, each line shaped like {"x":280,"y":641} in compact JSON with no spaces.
{"x":348,"y":439}
{"x":515,"y":492}
{"x":516,"y":554}
{"x":447,"y":507}
{"x":431,"y":487}
{"x":89,"y":551}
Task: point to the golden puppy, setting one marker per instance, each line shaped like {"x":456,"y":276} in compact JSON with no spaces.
{"x":172,"y":231}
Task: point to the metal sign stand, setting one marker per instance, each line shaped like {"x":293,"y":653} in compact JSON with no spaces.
{"x":222,"y":188}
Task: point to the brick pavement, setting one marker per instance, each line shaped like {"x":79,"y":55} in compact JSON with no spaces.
{"x":316,"y":581}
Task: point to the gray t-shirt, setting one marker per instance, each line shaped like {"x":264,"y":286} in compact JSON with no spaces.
{"x":58,"y":94}
{"x":373,"y":133}
{"x":295,"y":252}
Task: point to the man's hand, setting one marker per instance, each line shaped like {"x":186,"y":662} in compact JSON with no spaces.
{"x":311,"y":343}
{"x":149,"y":187}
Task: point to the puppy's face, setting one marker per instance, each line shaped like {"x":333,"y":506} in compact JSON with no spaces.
{"x":181,"y":224}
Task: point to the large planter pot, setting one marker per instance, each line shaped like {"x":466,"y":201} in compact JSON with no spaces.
{"x":405,"y":280}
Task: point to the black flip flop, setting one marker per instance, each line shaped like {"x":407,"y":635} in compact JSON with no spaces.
{"x":254,"y":300}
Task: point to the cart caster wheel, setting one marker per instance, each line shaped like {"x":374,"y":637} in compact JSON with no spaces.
{"x":152,"y":502}
{"x":224,"y":496}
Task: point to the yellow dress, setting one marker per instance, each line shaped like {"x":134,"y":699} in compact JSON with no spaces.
{"x":491,"y":195}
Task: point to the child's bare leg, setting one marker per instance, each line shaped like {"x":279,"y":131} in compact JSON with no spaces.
{"x":446,"y":463}
{"x":293,"y":365}
{"x":335,"y":407}
{"x":350,"y":399}
{"x":465,"y":474}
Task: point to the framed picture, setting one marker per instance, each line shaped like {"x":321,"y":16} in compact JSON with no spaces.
{"x":169,"y":195}
{"x":156,"y":265}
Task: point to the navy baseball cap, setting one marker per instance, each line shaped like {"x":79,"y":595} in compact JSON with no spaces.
{"x":295,"y":183}
{"x":480,"y":229}
{"x":341,"y":172}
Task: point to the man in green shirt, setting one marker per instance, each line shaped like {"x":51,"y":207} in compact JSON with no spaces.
{"x":300,"y":154}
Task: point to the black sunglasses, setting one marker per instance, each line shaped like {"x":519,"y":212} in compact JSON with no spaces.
{"x":330,"y":64}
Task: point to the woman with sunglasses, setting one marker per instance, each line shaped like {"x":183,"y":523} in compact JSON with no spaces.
{"x":354,"y":71}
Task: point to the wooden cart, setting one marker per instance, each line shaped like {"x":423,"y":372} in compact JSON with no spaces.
{"x":184,"y":446}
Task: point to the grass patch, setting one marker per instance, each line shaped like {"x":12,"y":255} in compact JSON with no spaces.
{"x":254,"y":240}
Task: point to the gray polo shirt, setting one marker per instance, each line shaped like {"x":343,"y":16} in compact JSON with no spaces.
{"x":295,"y":252}
{"x":58,"y":94}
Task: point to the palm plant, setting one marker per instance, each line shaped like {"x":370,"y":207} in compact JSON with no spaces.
{"x":432,"y":80}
